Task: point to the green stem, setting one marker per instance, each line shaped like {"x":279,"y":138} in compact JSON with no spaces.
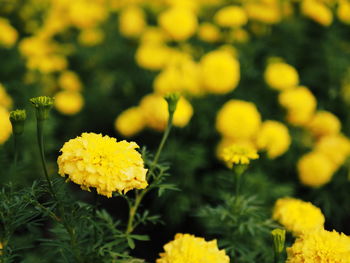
{"x":139,"y":195}
{"x":15,"y":138}
{"x":277,"y":258}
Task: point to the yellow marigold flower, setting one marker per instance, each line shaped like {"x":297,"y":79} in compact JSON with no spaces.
{"x":208,"y":32}
{"x":231,"y":16}
{"x":226,"y":142}
{"x":238,"y":120}
{"x":152,"y":56}
{"x":238,"y":154}
{"x":343,"y":11}
{"x":300,"y":104}
{"x":130,"y":122}
{"x":132,"y":21}
{"x":324,"y":123}
{"x":48,"y":63}
{"x":69,"y":102}
{"x":91,"y":37}
{"x":153,"y":35}
{"x":70,"y":81}
{"x":315,"y":169}
{"x":239,"y":35}
{"x":297,"y":216}
{"x":273,"y":137}
{"x":9,"y":35}
{"x":336,"y":147}
{"x":155,"y":111}
{"x":320,"y":247}
{"x":186,"y":248}
{"x":5,"y":124}
{"x":5,"y":99}
{"x":220,"y":72}
{"x":281,"y":76}
{"x":179,"y":23}
{"x":93,"y":160}
{"x":317,"y":11}
{"x":268,"y":13}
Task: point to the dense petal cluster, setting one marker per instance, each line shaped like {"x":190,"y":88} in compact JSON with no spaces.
{"x":186,"y":248}
{"x":238,"y":154}
{"x":320,"y":246}
{"x":298,"y":216}
{"x":93,"y":160}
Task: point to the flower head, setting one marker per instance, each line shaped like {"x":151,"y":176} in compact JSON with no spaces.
{"x":17,"y":118}
{"x":186,"y":248}
{"x":239,"y":154}
{"x":93,"y":160}
{"x":320,"y":247}
{"x":42,"y":105}
{"x":69,"y":102}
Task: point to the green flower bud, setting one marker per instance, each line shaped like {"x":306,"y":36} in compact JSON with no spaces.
{"x":43,"y":105}
{"x":172,"y":100}
{"x":279,"y":237}
{"x":17,"y":118}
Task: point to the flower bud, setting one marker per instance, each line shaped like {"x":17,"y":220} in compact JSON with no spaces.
{"x":172,"y":100}
{"x":17,"y":118}
{"x":43,"y":105}
{"x":279,"y":237}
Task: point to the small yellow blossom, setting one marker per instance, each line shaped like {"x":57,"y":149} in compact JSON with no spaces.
{"x":238,"y":120}
{"x":152,"y":56}
{"x":130,"y":122}
{"x":231,"y":16}
{"x":220,"y":72}
{"x":274,"y":138}
{"x":226,"y":142}
{"x":208,"y":32}
{"x":317,"y":11}
{"x":152,"y":35}
{"x":320,"y":247}
{"x":324,"y":123}
{"x":268,"y":13}
{"x":69,"y":102}
{"x":132,"y":21}
{"x":5,"y":99}
{"x":315,"y":169}
{"x":69,"y":80}
{"x":281,"y":76}
{"x":5,"y":124}
{"x":297,"y":216}
{"x":91,"y":36}
{"x":300,"y":104}
{"x":343,"y":11}
{"x":93,"y":160}
{"x":186,"y":248}
{"x":238,"y":154}
{"x":9,"y":35}
{"x":179,"y":23}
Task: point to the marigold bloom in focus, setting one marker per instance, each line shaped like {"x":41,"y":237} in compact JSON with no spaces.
{"x":298,"y":216}
{"x":220,"y":72}
{"x":186,"y":248}
{"x":324,"y":123}
{"x":238,"y":154}
{"x":69,"y":102}
{"x":132,"y":21}
{"x":273,"y":137}
{"x":93,"y":160}
{"x":179,"y":23}
{"x":315,"y":169}
{"x":130,"y":122}
{"x":5,"y":124}
{"x":238,"y":120}
{"x":320,"y":247}
{"x":281,"y":76}
{"x":231,"y":16}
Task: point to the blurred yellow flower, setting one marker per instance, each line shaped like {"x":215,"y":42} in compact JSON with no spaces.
{"x":5,"y":124}
{"x":268,"y":13}
{"x":238,"y":154}
{"x":152,"y":56}
{"x":93,"y":160}
{"x":91,"y":36}
{"x":130,"y":122}
{"x":300,"y":104}
{"x":281,"y":76}
{"x":69,"y":102}
{"x":220,"y":72}
{"x":343,"y":11}
{"x":208,"y":32}
{"x":324,"y":123}
{"x":239,"y":35}
{"x":155,"y":111}
{"x":320,"y":246}
{"x":69,"y":80}
{"x":9,"y":35}
{"x":132,"y":21}
{"x":187,"y":248}
{"x":179,"y":23}
{"x":315,"y":169}
{"x":297,"y":216}
{"x":226,"y":142}
{"x":317,"y":11}
{"x":273,"y":137}
{"x":231,"y":16}
{"x":5,"y":99}
{"x":238,"y":120}
{"x":152,"y":35}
